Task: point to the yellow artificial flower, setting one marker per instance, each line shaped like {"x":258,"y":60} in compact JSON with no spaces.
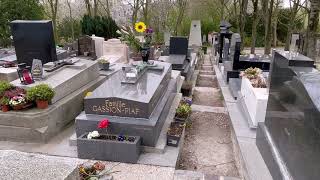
{"x":140,"y":27}
{"x":88,"y":94}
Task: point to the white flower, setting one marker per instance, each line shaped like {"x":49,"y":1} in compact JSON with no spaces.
{"x":93,"y":134}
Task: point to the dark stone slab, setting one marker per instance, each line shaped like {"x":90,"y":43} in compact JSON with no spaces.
{"x":235,"y":87}
{"x":129,"y":100}
{"x":109,"y":150}
{"x":178,"y":45}
{"x":148,"y":129}
{"x":289,"y":140}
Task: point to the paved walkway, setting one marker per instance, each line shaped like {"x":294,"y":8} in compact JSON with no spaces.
{"x":207,"y":152}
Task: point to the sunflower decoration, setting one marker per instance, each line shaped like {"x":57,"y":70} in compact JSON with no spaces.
{"x":140,"y":27}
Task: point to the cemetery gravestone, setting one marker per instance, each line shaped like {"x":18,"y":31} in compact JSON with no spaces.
{"x":115,"y":51}
{"x":86,"y":47}
{"x":135,"y":109}
{"x":195,"y":34}
{"x":98,"y":44}
{"x":289,"y":139}
{"x":167,"y":36}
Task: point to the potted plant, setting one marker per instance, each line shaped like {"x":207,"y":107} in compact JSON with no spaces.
{"x":5,"y":104}
{"x":138,"y":47}
{"x":4,"y":86}
{"x":174,"y":134}
{"x":18,"y":102}
{"x":183,"y":112}
{"x":42,"y":94}
{"x":109,"y":147}
{"x":186,"y":88}
{"x":104,"y":64}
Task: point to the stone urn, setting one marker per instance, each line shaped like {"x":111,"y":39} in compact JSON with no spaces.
{"x":145,"y":53}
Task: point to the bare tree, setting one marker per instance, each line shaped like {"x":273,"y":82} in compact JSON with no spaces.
{"x":313,"y":23}
{"x":88,"y":7}
{"x":268,"y":27}
{"x":254,"y":25}
{"x":52,"y":13}
{"x":71,"y":18}
{"x":181,"y":7}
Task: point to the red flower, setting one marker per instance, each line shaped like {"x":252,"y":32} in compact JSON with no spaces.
{"x":104,"y":123}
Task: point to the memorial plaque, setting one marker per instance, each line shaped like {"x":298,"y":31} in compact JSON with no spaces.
{"x":37,"y":69}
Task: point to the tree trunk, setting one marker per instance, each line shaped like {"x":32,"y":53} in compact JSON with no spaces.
{"x":95,"y":8}
{"x":267,"y":46}
{"x":312,"y":28}
{"x":254,"y":26}
{"x":71,"y":19}
{"x":88,"y":7}
{"x":242,"y":22}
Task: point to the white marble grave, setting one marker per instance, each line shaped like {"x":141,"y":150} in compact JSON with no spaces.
{"x":115,"y":51}
{"x":256,"y":100}
{"x":98,"y":44}
{"x":195,"y":33}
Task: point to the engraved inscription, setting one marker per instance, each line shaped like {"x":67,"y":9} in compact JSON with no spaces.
{"x":116,"y":107}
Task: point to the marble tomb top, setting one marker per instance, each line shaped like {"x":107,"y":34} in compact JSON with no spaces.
{"x":118,"y":98}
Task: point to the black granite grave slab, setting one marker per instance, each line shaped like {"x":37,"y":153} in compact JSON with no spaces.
{"x":289,"y":140}
{"x":148,"y":129}
{"x":129,"y":100}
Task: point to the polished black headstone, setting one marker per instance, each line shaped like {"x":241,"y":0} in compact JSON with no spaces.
{"x":137,"y":100}
{"x":178,"y":45}
{"x":289,"y":140}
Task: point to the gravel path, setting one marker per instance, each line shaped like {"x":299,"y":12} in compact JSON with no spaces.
{"x":208,"y":146}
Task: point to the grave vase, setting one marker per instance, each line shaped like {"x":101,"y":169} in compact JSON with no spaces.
{"x":145,"y":53}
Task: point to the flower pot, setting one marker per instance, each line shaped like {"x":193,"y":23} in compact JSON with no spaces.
{"x":18,"y":107}
{"x":181,"y":119}
{"x":5,"y":108}
{"x":109,"y":149}
{"x":42,"y":104}
{"x":174,"y":134}
{"x":104,"y":66}
{"x":145,"y":53}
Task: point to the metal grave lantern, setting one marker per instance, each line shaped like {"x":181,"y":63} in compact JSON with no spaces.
{"x":24,"y":73}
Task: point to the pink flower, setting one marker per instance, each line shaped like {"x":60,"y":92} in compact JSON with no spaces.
{"x":104,"y":123}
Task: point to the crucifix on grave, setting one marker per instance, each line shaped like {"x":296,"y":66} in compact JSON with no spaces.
{"x":133,"y":72}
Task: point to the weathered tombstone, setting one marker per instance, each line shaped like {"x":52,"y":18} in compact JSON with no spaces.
{"x":115,"y":51}
{"x":86,"y":47}
{"x":178,"y":56}
{"x":289,"y":139}
{"x":294,"y":42}
{"x":98,"y":44}
{"x":224,"y":33}
{"x":135,"y":100}
{"x":195,"y":34}
{"x":226,"y":47}
{"x":167,"y":36}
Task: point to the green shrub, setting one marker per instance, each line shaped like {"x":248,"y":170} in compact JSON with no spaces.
{"x":4,"y":101}
{"x":183,"y":110}
{"x":100,"y":26}
{"x":4,"y":86}
{"x":40,"y":92}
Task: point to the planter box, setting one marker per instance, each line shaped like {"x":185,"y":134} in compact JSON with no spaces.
{"x":181,"y":120}
{"x":109,"y":150}
{"x":174,"y":140}
{"x":256,"y":100}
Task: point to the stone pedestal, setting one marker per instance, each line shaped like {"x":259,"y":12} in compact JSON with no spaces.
{"x":289,"y":140}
